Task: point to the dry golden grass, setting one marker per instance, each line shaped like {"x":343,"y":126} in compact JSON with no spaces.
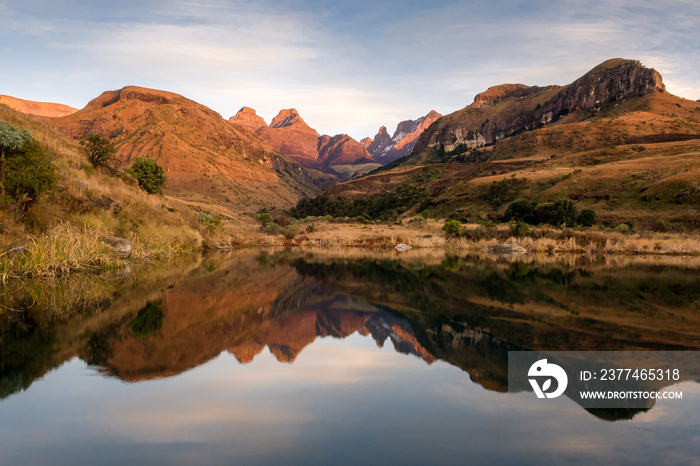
{"x":61,"y":230}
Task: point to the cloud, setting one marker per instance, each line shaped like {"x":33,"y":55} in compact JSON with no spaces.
{"x":346,"y":67}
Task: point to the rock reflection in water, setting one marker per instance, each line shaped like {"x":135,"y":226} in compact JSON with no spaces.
{"x":467,"y":312}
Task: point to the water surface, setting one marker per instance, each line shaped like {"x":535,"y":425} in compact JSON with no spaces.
{"x":283,"y":357}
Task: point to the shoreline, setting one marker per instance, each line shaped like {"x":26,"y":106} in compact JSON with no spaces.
{"x":50,"y":257}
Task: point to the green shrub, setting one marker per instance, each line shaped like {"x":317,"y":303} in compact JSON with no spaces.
{"x":586,"y":218}
{"x":290,"y":231}
{"x":211,"y":221}
{"x":451,"y":227}
{"x":30,"y":172}
{"x":264,"y":218}
{"x":520,"y":229}
{"x":149,"y":174}
{"x":622,"y":228}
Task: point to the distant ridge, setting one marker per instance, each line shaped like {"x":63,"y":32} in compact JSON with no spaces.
{"x":40,"y":109}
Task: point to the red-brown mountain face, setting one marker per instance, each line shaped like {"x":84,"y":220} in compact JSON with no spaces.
{"x":341,"y":149}
{"x":292,"y":137}
{"x":385,"y":149}
{"x":40,"y":109}
{"x":247,"y":118}
{"x":205,"y":158}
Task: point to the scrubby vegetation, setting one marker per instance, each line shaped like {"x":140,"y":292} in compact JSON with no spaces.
{"x":384,"y":207}
{"x":57,"y":207}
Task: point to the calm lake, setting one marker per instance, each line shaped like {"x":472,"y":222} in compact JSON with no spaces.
{"x":298,"y":357}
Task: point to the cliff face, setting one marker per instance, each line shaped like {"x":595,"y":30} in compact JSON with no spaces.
{"x":40,"y":109}
{"x":341,"y":149}
{"x":385,"y":149}
{"x":204,"y":157}
{"x":505,"y":110}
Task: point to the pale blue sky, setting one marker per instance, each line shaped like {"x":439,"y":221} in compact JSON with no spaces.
{"x":347,"y":67}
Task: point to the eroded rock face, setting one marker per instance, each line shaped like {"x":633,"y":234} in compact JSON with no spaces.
{"x":508,"y":109}
{"x":341,"y":149}
{"x":385,"y":149}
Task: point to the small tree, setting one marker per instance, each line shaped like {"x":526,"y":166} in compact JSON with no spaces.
{"x":149,"y":174}
{"x":100,"y":151}
{"x":11,"y":138}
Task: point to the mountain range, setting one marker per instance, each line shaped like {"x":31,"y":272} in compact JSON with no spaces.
{"x":340,"y":155}
{"x":618,"y":118}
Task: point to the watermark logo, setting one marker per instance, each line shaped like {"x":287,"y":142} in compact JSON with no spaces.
{"x":541,"y":369}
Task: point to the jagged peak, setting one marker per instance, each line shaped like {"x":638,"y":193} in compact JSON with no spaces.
{"x":286,"y":117}
{"x":382,"y":133}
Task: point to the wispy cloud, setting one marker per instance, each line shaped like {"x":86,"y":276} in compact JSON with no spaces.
{"x":346,"y":67}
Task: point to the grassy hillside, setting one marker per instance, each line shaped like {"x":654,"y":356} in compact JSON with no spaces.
{"x":61,"y":229}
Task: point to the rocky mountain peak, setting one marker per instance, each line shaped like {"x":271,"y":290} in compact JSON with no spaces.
{"x":247,"y":118}
{"x":385,"y":148}
{"x":493,"y":94}
{"x":522,"y":108}
{"x":288,"y":117}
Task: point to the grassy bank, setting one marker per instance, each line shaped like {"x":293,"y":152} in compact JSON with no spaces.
{"x":325,"y":233}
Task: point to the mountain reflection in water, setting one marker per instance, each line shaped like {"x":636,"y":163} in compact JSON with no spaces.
{"x":466,"y":312}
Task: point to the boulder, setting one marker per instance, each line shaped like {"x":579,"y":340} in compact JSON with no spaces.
{"x":401,"y":247}
{"x":15,"y":250}
{"x":121,"y":246}
{"x":508,"y":249}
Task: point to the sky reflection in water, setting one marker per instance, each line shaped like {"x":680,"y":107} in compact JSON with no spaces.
{"x":342,"y":400}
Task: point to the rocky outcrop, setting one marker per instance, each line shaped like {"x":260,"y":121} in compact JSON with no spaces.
{"x":508,"y":109}
{"x":341,"y":149}
{"x":247,"y":118}
{"x":292,"y":137}
{"x":121,"y":246}
{"x":41,"y":109}
{"x":385,"y":149}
